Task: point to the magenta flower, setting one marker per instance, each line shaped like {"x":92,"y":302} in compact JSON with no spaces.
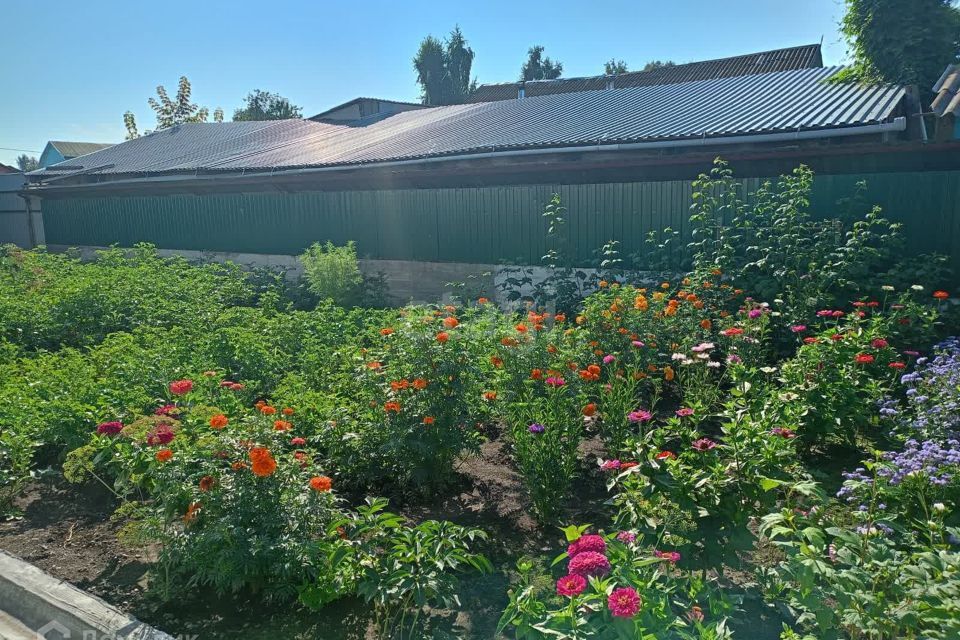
{"x":783,"y":432}
{"x":637,"y":344}
{"x":684,"y":412}
{"x":607,"y":359}
{"x":610,"y":465}
{"x":627,"y":537}
{"x":734,"y":359}
{"x":589,"y":563}
{"x":879,"y":343}
{"x":570,"y":586}
{"x":554,"y":381}
{"x":798,"y":328}
{"x":640,"y":415}
{"x":167,"y":410}
{"x":754,"y":314}
{"x":163,"y":434}
{"x":624,"y":602}
{"x":110,"y":428}
{"x":589,"y":542}
{"x":673,"y":557}
{"x":704,"y":444}
{"x":298,"y":442}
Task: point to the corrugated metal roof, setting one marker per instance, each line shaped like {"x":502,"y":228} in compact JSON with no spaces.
{"x":803,"y":57}
{"x":948,"y":92}
{"x":74,"y":149}
{"x":788,"y":101}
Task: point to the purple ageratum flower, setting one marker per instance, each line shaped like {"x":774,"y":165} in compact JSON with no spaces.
{"x":536,"y":428}
{"x":703,"y":444}
{"x":556,"y":381}
{"x":589,"y":563}
{"x":640,"y":415}
{"x":684,"y":412}
{"x":607,"y":359}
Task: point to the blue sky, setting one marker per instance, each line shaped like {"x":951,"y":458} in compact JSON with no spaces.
{"x":70,"y":69}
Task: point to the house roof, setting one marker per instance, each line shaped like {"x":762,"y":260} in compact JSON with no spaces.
{"x":947,"y":89}
{"x":664,"y":115}
{"x":803,"y":57}
{"x":349,"y":103}
{"x":75,"y":149}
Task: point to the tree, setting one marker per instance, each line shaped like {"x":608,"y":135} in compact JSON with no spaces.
{"x":263,"y":105}
{"x":901,"y":41}
{"x":539,"y":68}
{"x":613,"y":67}
{"x":172,"y":112}
{"x":27,"y":163}
{"x":653,"y":65}
{"x":443,"y":69}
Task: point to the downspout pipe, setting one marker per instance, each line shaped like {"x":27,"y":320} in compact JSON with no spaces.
{"x":897,"y":124}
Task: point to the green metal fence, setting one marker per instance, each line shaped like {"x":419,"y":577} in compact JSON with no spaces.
{"x":484,"y":225}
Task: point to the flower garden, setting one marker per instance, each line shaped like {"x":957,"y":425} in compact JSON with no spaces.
{"x":763,"y":444}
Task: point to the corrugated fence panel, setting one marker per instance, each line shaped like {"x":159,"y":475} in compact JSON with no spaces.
{"x":471,"y":224}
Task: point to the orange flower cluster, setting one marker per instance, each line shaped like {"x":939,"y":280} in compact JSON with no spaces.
{"x":282,"y":425}
{"x":263,"y":465}
{"x":164,"y":455}
{"x":218,"y":421}
{"x":591,"y":373}
{"x":321,"y":484}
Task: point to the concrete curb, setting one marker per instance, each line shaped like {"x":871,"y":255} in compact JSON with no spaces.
{"x":53,"y":609}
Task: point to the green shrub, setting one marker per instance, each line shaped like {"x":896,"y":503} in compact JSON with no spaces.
{"x":333,"y":273}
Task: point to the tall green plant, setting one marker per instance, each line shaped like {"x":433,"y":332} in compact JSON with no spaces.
{"x":332,"y":272}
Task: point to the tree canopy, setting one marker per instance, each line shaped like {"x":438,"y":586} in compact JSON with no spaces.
{"x":901,"y":41}
{"x":263,"y":105}
{"x":538,"y":67}
{"x":613,"y":67}
{"x":443,"y":69}
{"x":172,"y":112}
{"x":27,"y":163}
{"x":653,"y":65}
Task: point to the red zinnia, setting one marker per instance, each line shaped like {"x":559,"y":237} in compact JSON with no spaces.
{"x":110,"y":428}
{"x":863,"y":358}
{"x":321,"y":484}
{"x":941,"y":295}
{"x":180,"y":387}
{"x":572,"y":585}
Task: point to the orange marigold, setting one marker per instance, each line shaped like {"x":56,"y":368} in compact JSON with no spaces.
{"x":321,"y":483}
{"x":282,"y":425}
{"x":163,"y":455}
{"x":429,"y":420}
{"x":706,"y":324}
{"x":496,"y":361}
{"x":391,"y":406}
{"x":218,"y":421}
{"x":521,"y":328}
{"x":589,"y":409}
{"x":287,"y":411}
{"x":373,"y":365}
{"x":536,"y":374}
{"x":267,"y":410}
{"x":482,"y":301}
{"x":442,"y":337}
{"x":263,"y":464}
{"x":560,"y":317}
{"x":386,"y":331}
{"x":450,"y":322}
{"x":420,"y":383}
{"x":490,"y":395}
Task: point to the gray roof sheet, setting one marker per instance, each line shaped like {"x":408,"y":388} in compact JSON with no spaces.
{"x":947,"y":100}
{"x":74,"y":149}
{"x":803,"y":57}
{"x":768,"y":103}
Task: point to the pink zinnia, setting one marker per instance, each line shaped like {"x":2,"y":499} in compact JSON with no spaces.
{"x":704,"y":444}
{"x":610,"y":465}
{"x":556,"y":382}
{"x":637,"y":344}
{"x":640,"y":415}
{"x":110,"y":428}
{"x":163,"y":434}
{"x":591,"y":542}
{"x":167,"y":410}
{"x":624,"y":602}
{"x":607,"y":359}
{"x":879,"y":343}
{"x":798,"y":328}
{"x":684,"y":412}
{"x":572,"y":585}
{"x":589,"y":563}
{"x":298,"y":442}
{"x":754,"y":314}
{"x":180,"y":387}
{"x":783,"y":432}
{"x":673,"y":557}
{"x":227,"y":383}
{"x":627,"y":537}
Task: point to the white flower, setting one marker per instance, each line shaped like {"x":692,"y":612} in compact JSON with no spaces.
{"x":887,"y":287}
{"x":939,"y":506}
{"x":768,"y":369}
{"x":917,"y":287}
